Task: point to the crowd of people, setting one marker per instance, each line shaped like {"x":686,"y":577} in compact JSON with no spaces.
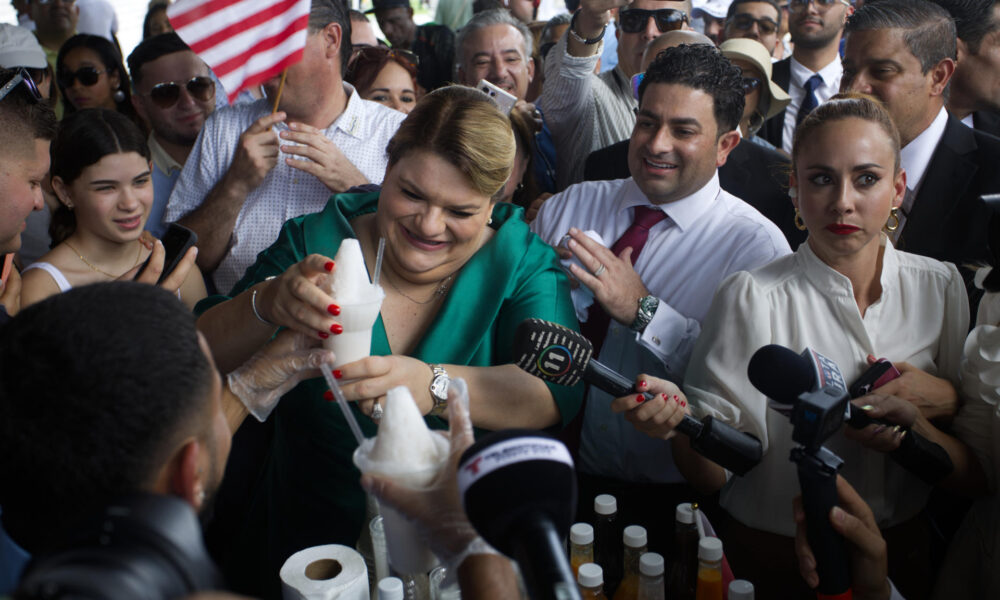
{"x":730,"y":174}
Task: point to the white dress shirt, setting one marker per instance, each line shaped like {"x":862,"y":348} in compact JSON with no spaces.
{"x":799,"y":301}
{"x":831,"y":75}
{"x":361,"y":132}
{"x":705,"y":237}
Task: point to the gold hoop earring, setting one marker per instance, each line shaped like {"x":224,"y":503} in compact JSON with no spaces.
{"x":893,"y":219}
{"x":799,"y":223}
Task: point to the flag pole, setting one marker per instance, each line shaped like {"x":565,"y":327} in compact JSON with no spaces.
{"x":281,"y":86}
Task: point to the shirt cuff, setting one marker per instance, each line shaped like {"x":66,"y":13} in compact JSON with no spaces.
{"x":670,"y":337}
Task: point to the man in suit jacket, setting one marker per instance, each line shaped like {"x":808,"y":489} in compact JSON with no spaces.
{"x":816,"y":32}
{"x":752,"y":173}
{"x":975,"y":87}
{"x":948,"y":166}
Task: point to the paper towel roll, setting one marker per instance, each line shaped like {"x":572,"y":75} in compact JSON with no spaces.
{"x":324,"y":573}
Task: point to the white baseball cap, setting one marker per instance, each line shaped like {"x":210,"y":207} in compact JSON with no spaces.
{"x":20,"y":48}
{"x":714,"y":8}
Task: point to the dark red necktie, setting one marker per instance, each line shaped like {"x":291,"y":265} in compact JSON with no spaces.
{"x":635,"y":237}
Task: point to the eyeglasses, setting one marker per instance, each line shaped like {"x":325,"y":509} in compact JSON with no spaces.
{"x":745,"y":22}
{"x":800,"y":5}
{"x":166,"y":94}
{"x":21,"y":77}
{"x":634,"y":20}
{"x":367,"y":55}
{"x":87,"y":76}
{"x":750,"y":84}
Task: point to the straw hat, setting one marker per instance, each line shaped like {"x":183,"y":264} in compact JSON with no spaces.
{"x":752,"y":51}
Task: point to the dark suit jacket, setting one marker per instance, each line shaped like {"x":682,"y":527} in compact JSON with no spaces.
{"x":773,"y":128}
{"x":752,"y":173}
{"x":986,"y":122}
{"x":948,"y":220}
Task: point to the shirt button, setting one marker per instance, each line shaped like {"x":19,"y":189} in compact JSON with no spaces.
{"x":656,"y":340}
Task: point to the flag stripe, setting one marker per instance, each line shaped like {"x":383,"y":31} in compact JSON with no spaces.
{"x":183,"y":16}
{"x":260,"y":18}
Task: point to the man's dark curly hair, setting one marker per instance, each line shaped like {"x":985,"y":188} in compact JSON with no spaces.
{"x":701,"y":67}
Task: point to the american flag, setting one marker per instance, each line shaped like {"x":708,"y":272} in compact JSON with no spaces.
{"x":246,"y":42}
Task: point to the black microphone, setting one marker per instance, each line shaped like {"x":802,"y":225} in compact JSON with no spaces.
{"x":782,"y":375}
{"x":563,"y":356}
{"x":518,"y":488}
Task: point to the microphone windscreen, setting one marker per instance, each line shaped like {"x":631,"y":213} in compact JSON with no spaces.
{"x":780,"y":374}
{"x":552,"y":352}
{"x":512,"y":477}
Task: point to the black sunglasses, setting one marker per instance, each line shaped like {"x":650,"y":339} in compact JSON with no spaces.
{"x":21,"y":77}
{"x":87,"y":76}
{"x":633,"y":20}
{"x":166,"y":94}
{"x":745,"y":22}
{"x":750,"y":84}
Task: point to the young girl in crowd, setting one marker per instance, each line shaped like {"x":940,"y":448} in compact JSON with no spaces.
{"x":101,"y":175}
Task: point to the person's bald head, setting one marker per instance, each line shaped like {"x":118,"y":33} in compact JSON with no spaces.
{"x":671,"y":39}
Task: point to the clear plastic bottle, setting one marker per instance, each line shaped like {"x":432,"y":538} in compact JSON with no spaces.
{"x":607,"y":544}
{"x":581,"y":545}
{"x":683,"y":578}
{"x":634,"y":541}
{"x":740,"y":589}
{"x":650,"y":577}
{"x":709,"y":569}
{"x":590,"y":578}
{"x":390,"y":588}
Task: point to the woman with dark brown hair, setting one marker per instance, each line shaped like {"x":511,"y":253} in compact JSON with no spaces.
{"x":385,"y":75}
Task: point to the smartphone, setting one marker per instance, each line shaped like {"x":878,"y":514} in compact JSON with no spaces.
{"x":505,"y":101}
{"x":8,"y":264}
{"x":176,"y":242}
{"x":877,"y":375}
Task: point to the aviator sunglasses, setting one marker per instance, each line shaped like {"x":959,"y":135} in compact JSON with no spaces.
{"x":166,"y":94}
{"x":21,"y":77}
{"x":634,"y":20}
{"x":87,"y":76}
{"x":745,"y":22}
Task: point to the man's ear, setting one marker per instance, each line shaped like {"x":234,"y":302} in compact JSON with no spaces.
{"x":940,"y":75}
{"x":333,"y":37}
{"x":140,"y":108}
{"x":725,"y":145}
{"x":186,"y":476}
{"x":531,"y":69}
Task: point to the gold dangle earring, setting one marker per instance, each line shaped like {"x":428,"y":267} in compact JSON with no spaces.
{"x":893,"y":223}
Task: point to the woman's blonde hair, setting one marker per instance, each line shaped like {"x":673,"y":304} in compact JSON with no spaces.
{"x":464,"y":127}
{"x":847,"y":106}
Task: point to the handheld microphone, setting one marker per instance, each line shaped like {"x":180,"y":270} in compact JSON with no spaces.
{"x":518,"y":488}
{"x":563,"y":356}
{"x":782,"y":375}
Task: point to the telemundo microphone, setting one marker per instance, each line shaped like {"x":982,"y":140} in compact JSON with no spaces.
{"x":782,"y":375}
{"x":518,"y":488}
{"x":563,"y":356}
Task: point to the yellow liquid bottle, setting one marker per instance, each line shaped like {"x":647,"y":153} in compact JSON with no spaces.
{"x":581,"y":545}
{"x":709,"y":569}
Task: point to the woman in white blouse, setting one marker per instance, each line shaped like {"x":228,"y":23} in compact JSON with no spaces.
{"x":848,"y":294}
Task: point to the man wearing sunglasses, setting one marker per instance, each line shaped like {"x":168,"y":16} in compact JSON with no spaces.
{"x":174,"y":95}
{"x":587,"y":111}
{"x":253,"y":169}
{"x":754,"y":19}
{"x":811,"y":75}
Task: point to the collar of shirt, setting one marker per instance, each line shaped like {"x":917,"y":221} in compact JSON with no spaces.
{"x":916,"y":156}
{"x":684,"y":212}
{"x":161,"y":160}
{"x":351,"y":121}
{"x":825,"y":277}
{"x":831,"y":74}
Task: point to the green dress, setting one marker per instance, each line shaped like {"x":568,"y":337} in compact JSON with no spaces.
{"x":307,"y":493}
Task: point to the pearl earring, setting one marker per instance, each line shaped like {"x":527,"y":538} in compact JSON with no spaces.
{"x":793,"y":192}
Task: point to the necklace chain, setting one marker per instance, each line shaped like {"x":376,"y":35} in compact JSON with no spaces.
{"x":440,"y":291}
{"x":94,"y":267}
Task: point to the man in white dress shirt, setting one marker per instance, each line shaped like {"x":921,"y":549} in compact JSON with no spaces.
{"x":903,"y":53}
{"x":690,"y":102}
{"x":812,"y":73}
{"x":252,"y":170}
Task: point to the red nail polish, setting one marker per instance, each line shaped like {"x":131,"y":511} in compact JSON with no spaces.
{"x":684,"y":403}
{"x":640,"y":399}
{"x":643,"y":383}
{"x":336,"y":328}
{"x":337,"y":374}
{"x":323,"y":334}
{"x":676,"y":399}
{"x":664,"y":396}
{"x":328,"y":395}
{"x":328,"y":266}
{"x":333,"y":309}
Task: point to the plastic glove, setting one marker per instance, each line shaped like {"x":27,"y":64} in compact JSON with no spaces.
{"x":276,"y":368}
{"x":437,"y":511}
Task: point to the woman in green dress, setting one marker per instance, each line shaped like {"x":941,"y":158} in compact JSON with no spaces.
{"x":460,"y":272}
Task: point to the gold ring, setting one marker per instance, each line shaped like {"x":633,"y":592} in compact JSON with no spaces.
{"x":600,"y":270}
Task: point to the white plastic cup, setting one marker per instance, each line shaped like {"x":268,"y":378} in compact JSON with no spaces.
{"x":355,"y":341}
{"x":407,"y":552}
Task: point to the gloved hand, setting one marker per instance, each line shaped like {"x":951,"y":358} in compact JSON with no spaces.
{"x":276,"y":368}
{"x":437,"y":511}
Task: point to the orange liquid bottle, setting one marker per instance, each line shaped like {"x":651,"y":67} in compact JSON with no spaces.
{"x":590,"y":578}
{"x":581,"y":545}
{"x":634,"y":539}
{"x":709,"y":569}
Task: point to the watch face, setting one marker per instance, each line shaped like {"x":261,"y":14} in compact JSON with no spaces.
{"x":439,"y":387}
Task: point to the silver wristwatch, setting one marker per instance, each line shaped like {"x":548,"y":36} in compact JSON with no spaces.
{"x":439,"y":390}
{"x":647,"y":308}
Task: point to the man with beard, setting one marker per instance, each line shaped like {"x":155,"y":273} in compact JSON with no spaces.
{"x":174,"y":95}
{"x":812,"y":74}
